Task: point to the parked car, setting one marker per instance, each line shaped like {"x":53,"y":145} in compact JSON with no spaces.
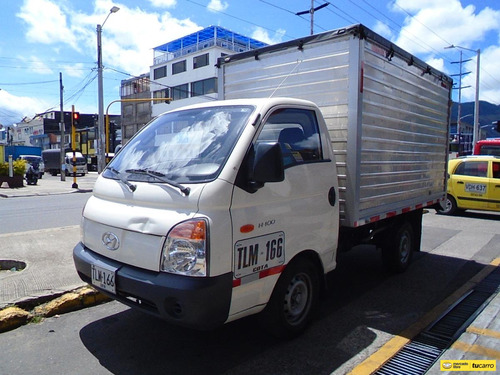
{"x":37,"y":163}
{"x":473,"y":184}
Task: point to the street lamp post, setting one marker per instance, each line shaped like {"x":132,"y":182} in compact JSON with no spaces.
{"x":101,"y":158}
{"x":476,"y":102}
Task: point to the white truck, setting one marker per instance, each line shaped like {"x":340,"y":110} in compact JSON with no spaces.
{"x":221,"y":210}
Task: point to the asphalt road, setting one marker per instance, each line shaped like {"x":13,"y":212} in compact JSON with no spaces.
{"x":23,"y":214}
{"x":363,"y":308}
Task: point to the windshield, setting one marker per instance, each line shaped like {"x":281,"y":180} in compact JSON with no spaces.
{"x":183,"y":147}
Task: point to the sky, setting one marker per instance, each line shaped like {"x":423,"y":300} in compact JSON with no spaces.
{"x":43,"y":40}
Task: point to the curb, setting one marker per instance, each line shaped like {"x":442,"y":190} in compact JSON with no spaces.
{"x":45,"y":193}
{"x":13,"y":317}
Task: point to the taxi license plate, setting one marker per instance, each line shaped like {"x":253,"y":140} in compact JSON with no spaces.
{"x":259,"y":254}
{"x":104,"y":278}
{"x":475,"y":188}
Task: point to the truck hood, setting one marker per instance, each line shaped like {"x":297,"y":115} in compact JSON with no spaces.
{"x":151,"y":209}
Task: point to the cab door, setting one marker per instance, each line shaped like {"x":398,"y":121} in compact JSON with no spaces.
{"x":280,"y":219}
{"x":494,"y":187}
{"x":470,"y":183}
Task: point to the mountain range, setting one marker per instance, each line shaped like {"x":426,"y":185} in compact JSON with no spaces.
{"x":488,"y":114}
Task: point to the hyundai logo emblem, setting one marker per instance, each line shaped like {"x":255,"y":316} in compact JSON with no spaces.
{"x":111,"y":241}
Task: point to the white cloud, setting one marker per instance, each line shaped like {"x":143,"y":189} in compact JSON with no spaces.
{"x":163,"y":3}
{"x":383,"y":29}
{"x":18,"y":107}
{"x":217,"y":6}
{"x":53,"y":29}
{"x":263,"y":36}
{"x":36,"y":65}
{"x":437,"y":64}
{"x":435,"y":24}
{"x":431,"y":25}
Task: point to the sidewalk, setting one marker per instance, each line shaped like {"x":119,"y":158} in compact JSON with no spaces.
{"x":37,"y":266}
{"x":51,"y":185}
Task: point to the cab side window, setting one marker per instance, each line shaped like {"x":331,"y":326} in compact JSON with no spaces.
{"x":496,"y":169}
{"x":297,"y":132}
{"x":473,"y":168}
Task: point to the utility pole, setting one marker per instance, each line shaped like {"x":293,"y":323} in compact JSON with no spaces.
{"x":61,"y":125}
{"x":311,"y":11}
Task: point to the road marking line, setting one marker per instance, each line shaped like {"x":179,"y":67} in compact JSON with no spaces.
{"x":484,"y":332}
{"x":476,"y":349}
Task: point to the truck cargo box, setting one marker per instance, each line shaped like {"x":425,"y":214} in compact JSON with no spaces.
{"x":387,"y":113}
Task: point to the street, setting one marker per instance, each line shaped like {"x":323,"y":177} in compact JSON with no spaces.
{"x":362,"y":309}
{"x":23,"y":214}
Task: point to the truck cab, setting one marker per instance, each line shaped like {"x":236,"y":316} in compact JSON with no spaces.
{"x":214,"y":211}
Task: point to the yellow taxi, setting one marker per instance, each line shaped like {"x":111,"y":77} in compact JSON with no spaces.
{"x":473,"y":184}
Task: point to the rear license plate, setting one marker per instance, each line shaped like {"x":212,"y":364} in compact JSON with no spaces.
{"x":104,"y":278}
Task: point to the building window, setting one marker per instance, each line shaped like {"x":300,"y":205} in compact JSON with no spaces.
{"x":160,"y":72}
{"x":128,"y":110}
{"x":160,"y":94}
{"x":143,"y":108}
{"x":179,"y":67}
{"x":199,"y":61}
{"x":203,"y":87}
{"x":180,"y":92}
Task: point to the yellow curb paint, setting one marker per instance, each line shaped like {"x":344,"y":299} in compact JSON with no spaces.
{"x":394,"y":345}
{"x":484,"y":332}
{"x":373,"y":363}
{"x":476,"y":349}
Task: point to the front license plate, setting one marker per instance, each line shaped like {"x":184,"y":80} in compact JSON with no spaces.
{"x":258,"y":254}
{"x":104,"y":278}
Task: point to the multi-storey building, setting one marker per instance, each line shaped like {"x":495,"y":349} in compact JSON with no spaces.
{"x":184,"y":69}
{"x":135,"y":112}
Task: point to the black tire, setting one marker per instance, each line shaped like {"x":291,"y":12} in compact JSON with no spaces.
{"x":293,"y":300}
{"x":398,"y":249}
{"x":451,"y":207}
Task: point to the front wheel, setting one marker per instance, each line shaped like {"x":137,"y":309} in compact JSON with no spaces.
{"x":398,"y":249}
{"x":451,"y":207}
{"x":293,"y":301}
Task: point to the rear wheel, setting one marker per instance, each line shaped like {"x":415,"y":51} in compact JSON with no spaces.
{"x":293,"y":300}
{"x":398,"y":248}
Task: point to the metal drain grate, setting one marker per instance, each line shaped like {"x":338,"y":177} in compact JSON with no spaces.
{"x":419,"y":355}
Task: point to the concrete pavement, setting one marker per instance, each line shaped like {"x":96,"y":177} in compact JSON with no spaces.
{"x":50,"y":185}
{"x":37,"y":266}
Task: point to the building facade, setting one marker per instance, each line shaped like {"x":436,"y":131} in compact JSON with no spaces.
{"x":135,"y":105}
{"x":184,"y":69}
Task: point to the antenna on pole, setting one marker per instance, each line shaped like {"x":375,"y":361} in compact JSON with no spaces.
{"x":311,"y":11}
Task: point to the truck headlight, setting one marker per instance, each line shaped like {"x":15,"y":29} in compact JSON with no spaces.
{"x":185,"y":249}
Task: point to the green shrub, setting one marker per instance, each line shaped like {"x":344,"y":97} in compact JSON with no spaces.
{"x":18,"y":165}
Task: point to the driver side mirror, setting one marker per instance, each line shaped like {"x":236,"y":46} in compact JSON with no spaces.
{"x":268,"y":163}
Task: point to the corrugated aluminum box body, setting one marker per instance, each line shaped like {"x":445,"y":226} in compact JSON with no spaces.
{"x":386,"y":111}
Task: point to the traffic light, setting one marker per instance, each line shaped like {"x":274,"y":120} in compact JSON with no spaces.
{"x":498,"y":126}
{"x":75,"y":120}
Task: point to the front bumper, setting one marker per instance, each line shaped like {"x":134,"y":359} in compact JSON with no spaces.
{"x":195,"y":302}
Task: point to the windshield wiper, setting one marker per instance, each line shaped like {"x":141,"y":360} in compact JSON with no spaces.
{"x":123,"y":179}
{"x":161,"y":177}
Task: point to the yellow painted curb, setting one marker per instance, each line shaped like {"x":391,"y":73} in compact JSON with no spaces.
{"x":13,"y":317}
{"x":394,"y":345}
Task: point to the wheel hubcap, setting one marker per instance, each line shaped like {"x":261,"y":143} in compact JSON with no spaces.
{"x":404,"y":247}
{"x":297,"y":299}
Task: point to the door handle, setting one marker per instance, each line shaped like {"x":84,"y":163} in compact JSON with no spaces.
{"x":332,"y":197}
{"x":460,"y":182}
